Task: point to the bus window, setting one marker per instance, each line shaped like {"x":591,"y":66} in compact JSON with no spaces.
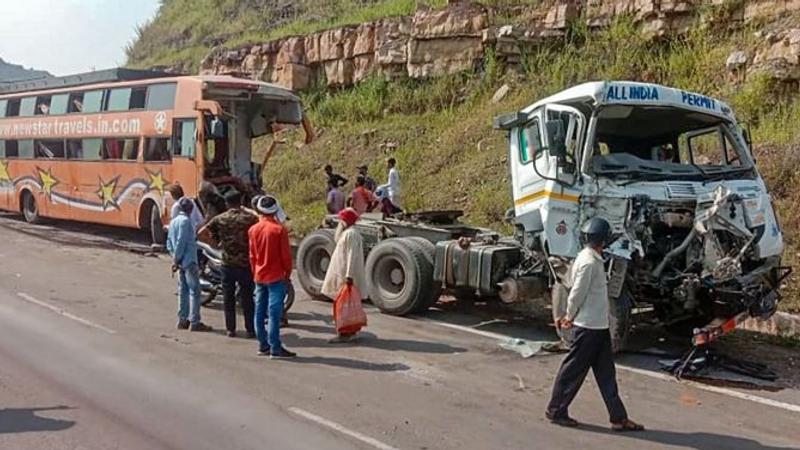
{"x":75,"y":103}
{"x":157,"y":149}
{"x":58,"y":104}
{"x":74,"y":149}
{"x":185,"y":138}
{"x":27,"y":107}
{"x":3,"y":104}
{"x":42,"y":105}
{"x":49,"y":149}
{"x":25,"y":149}
{"x":12,"y":110}
{"x":12,"y":149}
{"x":2,"y":149}
{"x":93,"y":101}
{"x":91,"y":148}
{"x":161,"y":96}
{"x":121,"y":149}
{"x":119,"y":100}
{"x":138,"y":97}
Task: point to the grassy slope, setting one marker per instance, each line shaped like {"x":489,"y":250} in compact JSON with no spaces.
{"x":448,"y":155}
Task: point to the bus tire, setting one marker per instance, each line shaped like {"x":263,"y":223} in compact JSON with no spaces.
{"x":30,"y":210}
{"x":313,"y":259}
{"x":399,"y":277}
{"x":156,"y":227}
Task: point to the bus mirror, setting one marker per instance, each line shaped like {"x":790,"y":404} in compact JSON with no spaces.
{"x":216,"y":128}
{"x":556,"y":139}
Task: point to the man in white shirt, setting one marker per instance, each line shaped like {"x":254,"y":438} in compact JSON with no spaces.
{"x":587,"y":312}
{"x":196,"y":217}
{"x":392,"y":187}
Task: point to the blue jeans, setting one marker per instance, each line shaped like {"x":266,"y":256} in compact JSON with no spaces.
{"x":269,"y":303}
{"x":189,"y":294}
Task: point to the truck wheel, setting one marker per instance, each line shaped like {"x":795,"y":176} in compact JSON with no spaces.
{"x":620,"y":320}
{"x":288,"y":300}
{"x":429,"y":250}
{"x":29,"y":207}
{"x":399,"y":277}
{"x":313,"y":259}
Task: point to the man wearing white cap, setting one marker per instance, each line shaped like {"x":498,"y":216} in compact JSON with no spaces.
{"x":271,"y":262}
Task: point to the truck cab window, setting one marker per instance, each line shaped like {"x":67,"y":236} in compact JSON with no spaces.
{"x":530,"y":142}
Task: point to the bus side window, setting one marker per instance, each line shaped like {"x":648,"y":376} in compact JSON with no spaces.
{"x":25,"y":148}
{"x":59,"y":104}
{"x":138,"y":97}
{"x":119,"y":99}
{"x":2,"y":149}
{"x":161,"y":96}
{"x":49,"y":149}
{"x":90,"y":149}
{"x":12,"y":149}
{"x":75,"y":102}
{"x":92,"y":102}
{"x":74,"y":149}
{"x":27,"y":107}
{"x":3,"y":104}
{"x":12,"y":110}
{"x":185,"y":138}
{"x":157,"y":149}
{"x":43,"y":105}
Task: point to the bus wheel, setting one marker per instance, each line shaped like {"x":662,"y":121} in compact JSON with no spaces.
{"x":29,"y":207}
{"x":157,"y":233}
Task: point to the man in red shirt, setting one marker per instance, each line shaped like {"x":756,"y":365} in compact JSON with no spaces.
{"x":271,"y":262}
{"x":362,"y":199}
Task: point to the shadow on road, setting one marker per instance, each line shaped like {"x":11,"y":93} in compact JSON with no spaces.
{"x":350,"y":364}
{"x":697,"y":440}
{"x":369,"y":340}
{"x":21,"y":420}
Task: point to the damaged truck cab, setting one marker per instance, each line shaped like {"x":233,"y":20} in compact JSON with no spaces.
{"x":695,"y":236}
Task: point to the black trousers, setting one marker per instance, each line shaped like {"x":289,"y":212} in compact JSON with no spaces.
{"x":590,"y":349}
{"x":243,"y":278}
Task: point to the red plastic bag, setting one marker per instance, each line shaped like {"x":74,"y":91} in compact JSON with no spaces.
{"x":348,"y":313}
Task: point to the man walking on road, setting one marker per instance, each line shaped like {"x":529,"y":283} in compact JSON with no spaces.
{"x":229,"y":230}
{"x":271,"y":261}
{"x":182,"y":245}
{"x":587,"y":312}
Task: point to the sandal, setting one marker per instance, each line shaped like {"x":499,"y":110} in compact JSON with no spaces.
{"x":626,"y":425}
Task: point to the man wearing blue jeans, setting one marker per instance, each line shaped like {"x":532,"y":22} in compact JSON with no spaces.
{"x":271,"y":263}
{"x":182,"y":246}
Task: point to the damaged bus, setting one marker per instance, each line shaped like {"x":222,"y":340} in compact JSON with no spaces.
{"x":101,"y":147}
{"x":695,"y":236}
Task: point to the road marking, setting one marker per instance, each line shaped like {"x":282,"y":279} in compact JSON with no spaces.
{"x":715,"y":389}
{"x":61,"y":312}
{"x":341,"y":429}
{"x":648,"y":373}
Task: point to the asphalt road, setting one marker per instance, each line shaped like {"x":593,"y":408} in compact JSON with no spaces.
{"x":90,"y":359}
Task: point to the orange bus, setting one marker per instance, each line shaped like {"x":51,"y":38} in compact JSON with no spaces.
{"x":100,"y":147}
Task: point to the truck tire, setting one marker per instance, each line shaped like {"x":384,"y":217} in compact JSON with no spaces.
{"x":619,"y":317}
{"x":429,"y":249}
{"x":399,"y":277}
{"x":313,"y":258}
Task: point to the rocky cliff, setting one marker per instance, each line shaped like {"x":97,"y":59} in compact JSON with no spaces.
{"x":436,"y":42}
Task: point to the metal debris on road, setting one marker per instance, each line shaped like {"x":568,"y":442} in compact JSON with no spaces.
{"x":526,"y":349}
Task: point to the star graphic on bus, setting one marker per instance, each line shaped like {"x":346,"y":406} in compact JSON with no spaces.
{"x":157,"y":181}
{"x":106,"y":193}
{"x":47,"y":180}
{"x":4,"y":176}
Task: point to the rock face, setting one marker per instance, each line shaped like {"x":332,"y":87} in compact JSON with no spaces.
{"x":433,"y":43}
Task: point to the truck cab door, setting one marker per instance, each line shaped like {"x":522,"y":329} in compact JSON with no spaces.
{"x":526,"y":148}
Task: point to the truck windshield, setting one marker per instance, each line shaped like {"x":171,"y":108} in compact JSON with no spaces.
{"x":666,"y":142}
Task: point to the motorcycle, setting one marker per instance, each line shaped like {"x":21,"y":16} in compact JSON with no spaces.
{"x":210,"y":261}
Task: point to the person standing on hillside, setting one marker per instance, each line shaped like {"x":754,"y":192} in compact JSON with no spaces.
{"x":362,"y":199}
{"x":271,"y":262}
{"x":229,"y":231}
{"x":587,"y":311}
{"x":182,"y":246}
{"x":335,"y":200}
{"x":334,"y":179}
{"x":369,"y":182}
{"x":392,"y":187}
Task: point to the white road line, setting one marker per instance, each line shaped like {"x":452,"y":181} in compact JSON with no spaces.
{"x":61,"y":312}
{"x":341,"y":429}
{"x":648,"y":373}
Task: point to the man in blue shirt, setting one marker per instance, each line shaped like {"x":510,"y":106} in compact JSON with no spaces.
{"x":182,"y":245}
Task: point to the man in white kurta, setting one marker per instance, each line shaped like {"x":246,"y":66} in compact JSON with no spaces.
{"x":347,"y":261}
{"x":392,"y":187}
